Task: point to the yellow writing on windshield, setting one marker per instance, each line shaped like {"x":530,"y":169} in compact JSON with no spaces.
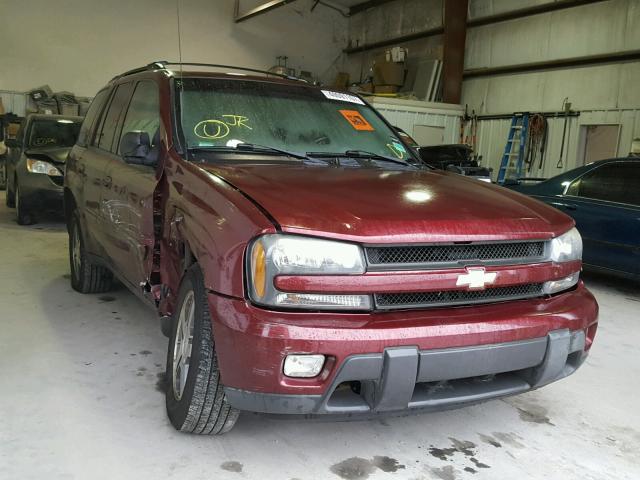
{"x":215,"y":129}
{"x":237,"y":121}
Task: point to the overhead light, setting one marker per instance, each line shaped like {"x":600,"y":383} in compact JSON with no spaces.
{"x":64,"y":120}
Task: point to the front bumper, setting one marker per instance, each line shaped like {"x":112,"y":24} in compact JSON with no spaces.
{"x":394,"y":361}
{"x":41,"y":193}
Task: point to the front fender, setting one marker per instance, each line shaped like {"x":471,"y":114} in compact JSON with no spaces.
{"x":208,"y":221}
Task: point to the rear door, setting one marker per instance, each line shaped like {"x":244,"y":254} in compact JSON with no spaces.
{"x":129,"y":199}
{"x":605,"y":202}
{"x":96,"y":161}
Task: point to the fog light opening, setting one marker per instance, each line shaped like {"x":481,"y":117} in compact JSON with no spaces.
{"x":303,"y":366}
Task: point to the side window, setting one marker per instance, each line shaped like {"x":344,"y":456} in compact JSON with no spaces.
{"x":144,"y":111}
{"x":90,"y":118}
{"x":107,"y":131}
{"x":615,"y":182}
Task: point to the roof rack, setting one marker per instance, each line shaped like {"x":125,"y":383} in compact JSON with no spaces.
{"x":163,"y":64}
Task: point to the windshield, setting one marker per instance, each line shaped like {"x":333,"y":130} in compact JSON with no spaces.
{"x":53,"y":133}
{"x":222,"y":113}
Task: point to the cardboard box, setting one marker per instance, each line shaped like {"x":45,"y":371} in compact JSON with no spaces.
{"x":386,"y":89}
{"x":12,"y":130}
{"x":388,"y":73}
{"x":366,"y":87}
{"x":69,"y":109}
{"x":342,"y":81}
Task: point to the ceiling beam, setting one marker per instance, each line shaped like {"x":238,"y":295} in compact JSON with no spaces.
{"x":361,"y":7}
{"x":259,"y":10}
{"x":587,"y":60}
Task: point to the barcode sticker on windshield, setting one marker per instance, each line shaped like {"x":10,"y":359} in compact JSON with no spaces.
{"x":343,"y":97}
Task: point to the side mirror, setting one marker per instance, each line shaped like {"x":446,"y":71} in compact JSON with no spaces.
{"x":135,"y":148}
{"x":12,"y":143}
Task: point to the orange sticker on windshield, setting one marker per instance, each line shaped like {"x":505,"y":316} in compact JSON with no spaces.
{"x":356,"y":120}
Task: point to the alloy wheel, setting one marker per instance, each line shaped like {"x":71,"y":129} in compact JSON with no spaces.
{"x":183,"y":344}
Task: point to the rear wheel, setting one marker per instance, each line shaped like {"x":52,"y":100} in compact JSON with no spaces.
{"x":23,"y":215}
{"x":86,"y":277}
{"x":196,"y":402}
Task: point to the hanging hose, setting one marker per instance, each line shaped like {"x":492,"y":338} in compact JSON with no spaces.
{"x":536,"y":139}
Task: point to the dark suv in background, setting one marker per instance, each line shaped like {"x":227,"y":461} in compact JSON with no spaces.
{"x":304,"y":261}
{"x":35,"y":164}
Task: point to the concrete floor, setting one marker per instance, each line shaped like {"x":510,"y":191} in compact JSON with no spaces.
{"x":79,"y":376}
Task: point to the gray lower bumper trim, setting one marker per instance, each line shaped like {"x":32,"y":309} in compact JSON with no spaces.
{"x":405,"y":378}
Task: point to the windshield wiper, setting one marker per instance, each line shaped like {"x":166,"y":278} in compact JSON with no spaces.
{"x":253,"y":147}
{"x":360,"y":154}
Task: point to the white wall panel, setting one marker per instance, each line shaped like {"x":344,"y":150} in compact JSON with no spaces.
{"x":406,"y":114}
{"x":78,"y":45}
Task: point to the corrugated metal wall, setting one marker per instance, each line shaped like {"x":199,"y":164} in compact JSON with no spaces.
{"x":492,"y":137}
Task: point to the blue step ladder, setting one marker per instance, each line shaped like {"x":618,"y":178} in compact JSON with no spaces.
{"x":514,"y":150}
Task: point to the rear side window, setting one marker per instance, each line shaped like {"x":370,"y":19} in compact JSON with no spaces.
{"x":615,"y":182}
{"x":107,"y":130}
{"x":144,"y":111}
{"x":90,"y":118}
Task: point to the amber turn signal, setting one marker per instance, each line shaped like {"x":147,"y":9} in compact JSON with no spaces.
{"x":259,"y":273}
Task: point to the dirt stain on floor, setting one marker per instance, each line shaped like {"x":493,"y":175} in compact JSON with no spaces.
{"x":387,"y":464}
{"x":444,"y":473}
{"x":354,"y":468}
{"x":488,"y":439}
{"x":530,"y":411}
{"x":534,"y":415}
{"x":232,"y":466}
{"x":106,"y":298}
{"x":358,"y":468}
{"x":510,"y":439}
{"x":161,"y":383}
{"x":461,"y":447}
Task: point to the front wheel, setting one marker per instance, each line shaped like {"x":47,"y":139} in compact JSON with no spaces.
{"x":196,"y":402}
{"x":23,"y":214}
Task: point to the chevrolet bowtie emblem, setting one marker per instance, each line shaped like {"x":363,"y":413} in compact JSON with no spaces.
{"x":476,"y":278}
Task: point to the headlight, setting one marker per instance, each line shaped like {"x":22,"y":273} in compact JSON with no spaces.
{"x":272,"y":255}
{"x":566,"y":247}
{"x":39,"y":166}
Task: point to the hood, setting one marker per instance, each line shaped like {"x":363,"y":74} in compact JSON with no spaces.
{"x":370,"y":205}
{"x":53,"y":154}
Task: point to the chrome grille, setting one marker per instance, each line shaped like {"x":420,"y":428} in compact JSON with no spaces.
{"x":432,"y":256}
{"x":456,"y":297}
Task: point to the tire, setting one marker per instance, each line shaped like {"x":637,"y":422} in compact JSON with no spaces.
{"x":3,"y":175}
{"x":86,"y":277}
{"x":23,"y":215}
{"x":195,"y":398}
{"x":10,"y":199}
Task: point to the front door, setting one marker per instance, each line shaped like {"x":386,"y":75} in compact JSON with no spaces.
{"x":129,"y":198}
{"x":605,"y":203}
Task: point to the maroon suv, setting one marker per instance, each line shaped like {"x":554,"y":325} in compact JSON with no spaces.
{"x":304,"y":262}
